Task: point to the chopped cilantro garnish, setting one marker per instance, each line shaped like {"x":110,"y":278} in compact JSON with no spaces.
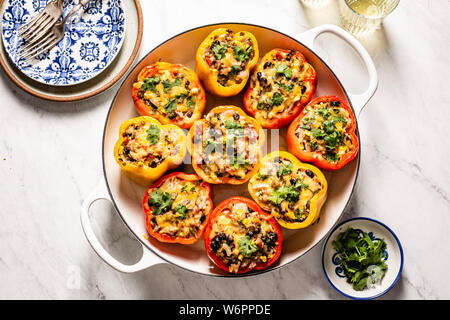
{"x":246,"y":246}
{"x":306,"y":127}
{"x":286,"y":86}
{"x":285,"y":192}
{"x":150,"y":84}
{"x":277,"y":99}
{"x":300,"y":185}
{"x":241,"y":54}
{"x":171,"y":105}
{"x":284,"y":169}
{"x":153,"y":134}
{"x":240,"y":161}
{"x":190,"y":102}
{"x":324,"y":112}
{"x":332,"y":157}
{"x":234,"y":69}
{"x":169,"y":85}
{"x":318,"y":133}
{"x":211,"y":146}
{"x":181,"y":209}
{"x":234,"y":127}
{"x":299,"y":214}
{"x":284,"y":69}
{"x":360,"y":257}
{"x":187,"y":187}
{"x":219,"y":51}
{"x":161,"y":201}
{"x":232,"y":124}
{"x":180,"y":97}
{"x":261,"y":176}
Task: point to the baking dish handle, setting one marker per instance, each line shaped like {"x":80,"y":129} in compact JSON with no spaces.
{"x":358,"y":100}
{"x":148,"y":258}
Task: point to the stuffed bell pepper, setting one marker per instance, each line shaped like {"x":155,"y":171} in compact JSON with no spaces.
{"x":226,"y":146}
{"x":224,"y":60}
{"x":177,"y":208}
{"x":146,"y":149}
{"x":281,"y":84}
{"x":324,"y":134}
{"x":241,"y":237}
{"x":171,"y":93}
{"x":292,"y":191}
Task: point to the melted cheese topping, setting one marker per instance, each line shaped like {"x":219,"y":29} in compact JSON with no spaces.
{"x":172,"y":94}
{"x":228,"y":146}
{"x":280,"y":81}
{"x":228,"y":56}
{"x":284,"y":190}
{"x":241,"y":239}
{"x":146,"y":144}
{"x":324,"y":129}
{"x":189,"y":207}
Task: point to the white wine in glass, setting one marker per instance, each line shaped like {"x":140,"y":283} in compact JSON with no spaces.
{"x":361,"y":17}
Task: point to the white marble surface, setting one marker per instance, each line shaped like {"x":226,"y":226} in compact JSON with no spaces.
{"x":50,"y":161}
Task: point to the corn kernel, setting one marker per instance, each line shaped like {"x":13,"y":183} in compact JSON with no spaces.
{"x":240,"y":257}
{"x":245,"y":222}
{"x":263,"y":258}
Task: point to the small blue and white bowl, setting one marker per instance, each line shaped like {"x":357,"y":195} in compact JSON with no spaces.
{"x":393,"y":257}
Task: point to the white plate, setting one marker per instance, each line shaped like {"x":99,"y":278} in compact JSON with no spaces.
{"x":393,"y":257}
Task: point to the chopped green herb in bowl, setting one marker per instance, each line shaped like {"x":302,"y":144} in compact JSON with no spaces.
{"x":361,"y":257}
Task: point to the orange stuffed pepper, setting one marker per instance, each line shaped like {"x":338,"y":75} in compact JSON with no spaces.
{"x":282,"y":83}
{"x":226,"y":146}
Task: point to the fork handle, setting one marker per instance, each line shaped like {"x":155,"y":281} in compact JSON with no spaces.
{"x":80,"y":4}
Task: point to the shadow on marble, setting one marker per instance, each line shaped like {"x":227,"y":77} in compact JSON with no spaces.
{"x":27,"y":100}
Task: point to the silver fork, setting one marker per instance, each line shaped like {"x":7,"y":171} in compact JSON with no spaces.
{"x":51,"y":38}
{"x":42,"y":22}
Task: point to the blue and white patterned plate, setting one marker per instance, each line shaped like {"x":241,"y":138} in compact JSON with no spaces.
{"x":393,"y":257}
{"x":92,"y":40}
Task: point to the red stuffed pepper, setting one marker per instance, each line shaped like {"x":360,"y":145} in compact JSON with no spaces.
{"x":282,"y":83}
{"x":241,"y":237}
{"x":324,"y":134}
{"x":171,"y":93}
{"x":177,"y":208}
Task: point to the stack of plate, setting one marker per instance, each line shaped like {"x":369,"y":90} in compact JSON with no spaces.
{"x":99,"y":46}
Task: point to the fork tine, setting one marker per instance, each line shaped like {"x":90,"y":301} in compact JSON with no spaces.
{"x":32,"y":25}
{"x":39,"y":26}
{"x":41,"y":49}
{"x":44,"y":28}
{"x":31,"y":21}
{"x":23,"y":50}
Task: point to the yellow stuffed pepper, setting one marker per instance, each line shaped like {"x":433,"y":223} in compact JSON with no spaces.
{"x":224,"y":60}
{"x":226,"y":146}
{"x":292,"y":191}
{"x":146,"y":149}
